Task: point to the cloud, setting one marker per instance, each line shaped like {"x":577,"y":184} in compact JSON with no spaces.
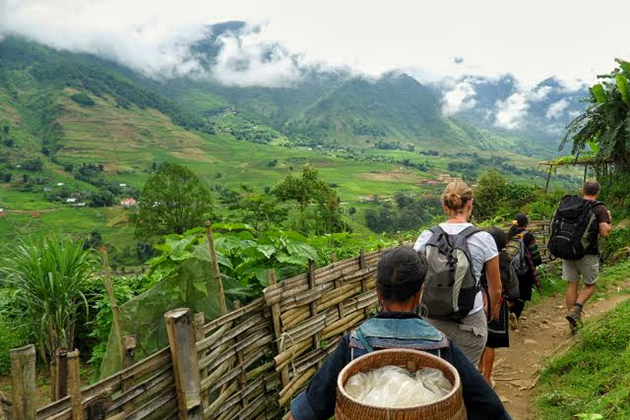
{"x":152,"y":35}
{"x":556,"y":109}
{"x":511,"y":112}
{"x":539,"y":94}
{"x":459,"y":98}
{"x":250,"y":60}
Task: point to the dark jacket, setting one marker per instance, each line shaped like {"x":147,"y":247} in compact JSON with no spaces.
{"x":318,"y":401}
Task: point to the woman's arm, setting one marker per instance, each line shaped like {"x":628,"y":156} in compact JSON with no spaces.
{"x":493,"y":274}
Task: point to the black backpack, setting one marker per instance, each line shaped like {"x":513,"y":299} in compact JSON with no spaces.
{"x":450,"y":287}
{"x":574,"y":228}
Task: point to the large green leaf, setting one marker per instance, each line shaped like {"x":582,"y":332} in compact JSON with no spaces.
{"x":599,"y":93}
{"x":296,"y":248}
{"x":622,"y":85}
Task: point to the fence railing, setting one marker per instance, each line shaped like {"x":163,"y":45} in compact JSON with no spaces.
{"x":247,"y":364}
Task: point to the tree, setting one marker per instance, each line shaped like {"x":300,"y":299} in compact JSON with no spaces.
{"x":605,"y":125}
{"x":172,"y":201}
{"x":93,"y":241}
{"x":309,"y":190}
{"x":489,"y":194}
{"x":102,"y":198}
{"x":6,"y":129}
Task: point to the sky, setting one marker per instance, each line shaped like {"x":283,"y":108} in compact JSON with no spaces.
{"x":438,"y":40}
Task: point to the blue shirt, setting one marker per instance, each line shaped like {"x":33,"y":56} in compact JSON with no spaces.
{"x":318,"y":401}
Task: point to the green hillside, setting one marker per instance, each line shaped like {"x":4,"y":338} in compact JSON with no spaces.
{"x":76,"y":127}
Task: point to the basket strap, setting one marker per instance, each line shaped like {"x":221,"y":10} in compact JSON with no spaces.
{"x":366,"y":346}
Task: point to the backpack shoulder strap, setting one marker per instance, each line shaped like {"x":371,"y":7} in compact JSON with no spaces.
{"x":470,"y":231}
{"x":437,"y":230}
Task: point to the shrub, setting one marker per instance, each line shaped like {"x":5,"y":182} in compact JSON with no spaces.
{"x":82,"y":99}
{"x":48,"y":278}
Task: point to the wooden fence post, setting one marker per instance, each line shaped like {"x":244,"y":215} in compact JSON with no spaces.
{"x":366,"y":310}
{"x":198,"y":322}
{"x":181,"y":340}
{"x":548,"y":178}
{"x":338,"y":284}
{"x":313,"y":304}
{"x":130,"y":351}
{"x":59,"y":381}
{"x":277,"y":327}
{"x":115,"y":310}
{"x":23,"y":382}
{"x":74,"y":385}
{"x":215,"y":266}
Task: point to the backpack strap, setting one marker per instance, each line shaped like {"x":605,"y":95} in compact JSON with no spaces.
{"x":470,"y":231}
{"x":437,"y":230}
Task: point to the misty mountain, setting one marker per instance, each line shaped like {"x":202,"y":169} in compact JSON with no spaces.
{"x":538,"y":115}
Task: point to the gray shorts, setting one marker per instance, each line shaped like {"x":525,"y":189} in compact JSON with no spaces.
{"x":587,"y":268}
{"x":470,"y":336}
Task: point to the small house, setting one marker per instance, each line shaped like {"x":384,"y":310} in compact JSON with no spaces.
{"x":128,"y":202}
{"x":71,"y":200}
{"x":123,"y":185}
{"x":60,"y":184}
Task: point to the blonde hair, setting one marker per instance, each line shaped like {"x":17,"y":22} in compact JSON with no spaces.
{"x":456,"y":195}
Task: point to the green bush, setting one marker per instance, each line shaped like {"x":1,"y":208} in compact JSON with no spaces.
{"x":9,"y":339}
{"x":82,"y":99}
{"x":616,"y":245}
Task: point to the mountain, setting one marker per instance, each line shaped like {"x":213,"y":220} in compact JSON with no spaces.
{"x":536,"y":116}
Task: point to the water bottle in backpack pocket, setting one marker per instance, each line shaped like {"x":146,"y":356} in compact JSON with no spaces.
{"x":450,"y":287}
{"x":574,"y":229}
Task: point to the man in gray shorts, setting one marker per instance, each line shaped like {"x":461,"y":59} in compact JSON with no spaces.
{"x":588,"y":266}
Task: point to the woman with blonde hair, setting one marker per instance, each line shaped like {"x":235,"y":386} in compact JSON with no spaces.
{"x":458,"y":253}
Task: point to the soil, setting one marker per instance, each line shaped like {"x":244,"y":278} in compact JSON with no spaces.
{"x":543,"y":331}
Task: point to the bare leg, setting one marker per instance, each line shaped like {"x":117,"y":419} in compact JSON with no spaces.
{"x":585,"y":294}
{"x":487,"y":361}
{"x":572,"y":294}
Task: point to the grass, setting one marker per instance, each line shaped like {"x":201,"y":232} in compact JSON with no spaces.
{"x":592,"y":379}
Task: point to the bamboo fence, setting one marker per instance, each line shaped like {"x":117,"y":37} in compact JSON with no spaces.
{"x":247,"y":364}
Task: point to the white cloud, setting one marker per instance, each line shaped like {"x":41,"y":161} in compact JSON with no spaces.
{"x":556,"y":109}
{"x":249,"y":60}
{"x":491,"y":38}
{"x":540,"y":93}
{"x":459,"y":98}
{"x":511,"y":112}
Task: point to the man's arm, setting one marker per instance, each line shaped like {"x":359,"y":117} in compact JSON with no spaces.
{"x":318,"y":401}
{"x":604,"y":229}
{"x":493,"y":274}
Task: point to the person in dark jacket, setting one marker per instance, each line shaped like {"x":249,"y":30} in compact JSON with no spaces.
{"x":529,"y":280}
{"x":399,"y":278}
{"x":498,"y":330}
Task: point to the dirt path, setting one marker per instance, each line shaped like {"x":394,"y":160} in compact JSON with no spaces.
{"x":543,"y":331}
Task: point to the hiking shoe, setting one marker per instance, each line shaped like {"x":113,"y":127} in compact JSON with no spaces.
{"x":513,"y":320}
{"x":573,"y":317}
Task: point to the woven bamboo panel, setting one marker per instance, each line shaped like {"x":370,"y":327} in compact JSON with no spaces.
{"x":238,"y":379}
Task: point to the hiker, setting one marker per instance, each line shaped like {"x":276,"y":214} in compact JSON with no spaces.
{"x":520,"y":239}
{"x":453,"y":280}
{"x":498,"y":331}
{"x":400,"y":275}
{"x":575,"y":228}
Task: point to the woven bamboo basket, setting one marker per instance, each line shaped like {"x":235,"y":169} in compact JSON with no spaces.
{"x":450,"y":407}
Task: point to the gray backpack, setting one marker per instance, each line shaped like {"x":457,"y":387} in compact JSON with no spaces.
{"x":450,"y":287}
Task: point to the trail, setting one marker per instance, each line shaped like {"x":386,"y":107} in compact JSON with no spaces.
{"x":543,"y":331}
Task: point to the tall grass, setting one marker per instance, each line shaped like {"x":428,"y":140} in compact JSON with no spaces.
{"x":48,"y":279}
